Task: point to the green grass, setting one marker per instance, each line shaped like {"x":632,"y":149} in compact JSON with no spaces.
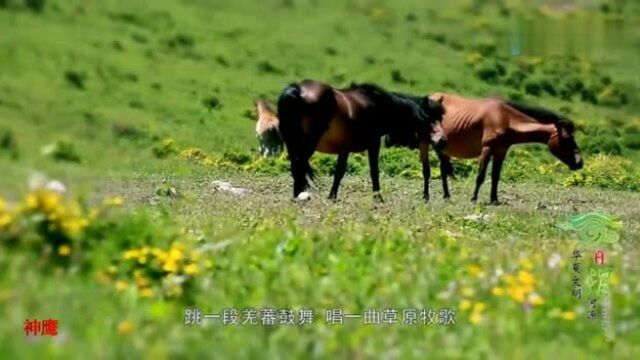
{"x":103,"y":84}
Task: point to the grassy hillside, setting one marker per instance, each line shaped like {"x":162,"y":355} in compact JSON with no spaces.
{"x":147,"y":103}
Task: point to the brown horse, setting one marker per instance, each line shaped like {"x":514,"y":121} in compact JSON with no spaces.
{"x":486,"y":128}
{"x":270,"y":141}
{"x":314,"y":116}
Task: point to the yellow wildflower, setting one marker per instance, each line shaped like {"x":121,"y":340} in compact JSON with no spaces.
{"x":131,"y":254}
{"x":475,"y":270}
{"x":526,"y":264}
{"x":147,"y":292}
{"x":535,"y":299}
{"x":93,"y":214}
{"x":475,"y":318}
{"x":114,"y":201}
{"x":170,"y":266}
{"x":102,"y":278}
{"x":568,"y":315}
{"x":176,"y":253}
{"x":121,"y":285}
{"x":517,"y":293}
{"x":31,"y":201}
{"x":497,"y":291}
{"x":526,"y":278}
{"x":467,"y":291}
{"x":74,"y":226}
{"x":465,"y":304}
{"x":50,"y":201}
{"x":191,"y":269}
{"x":479,"y":307}
{"x":508,"y":279}
{"x":5,"y":219}
{"x":112,"y":269}
{"x":615,"y":279}
{"x":125,"y":327}
{"x":194,"y":255}
{"x":64,"y":250}
{"x":142,"y":281}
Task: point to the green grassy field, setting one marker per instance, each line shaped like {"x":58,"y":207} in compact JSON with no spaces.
{"x":138,"y":108}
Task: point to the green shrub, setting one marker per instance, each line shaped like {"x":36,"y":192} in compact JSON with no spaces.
{"x":490,"y":71}
{"x":515,"y":78}
{"x":533,"y":87}
{"x":611,"y":96}
{"x":76,"y":79}
{"x":165,"y":148}
{"x":35,"y":5}
{"x":62,"y":151}
{"x":8,"y":144}
{"x":599,"y":140}
{"x":606,"y":172}
{"x":238,"y":158}
{"x":211,"y":103}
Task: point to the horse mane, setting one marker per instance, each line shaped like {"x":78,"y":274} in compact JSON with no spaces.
{"x":543,"y":115}
{"x":379,"y":94}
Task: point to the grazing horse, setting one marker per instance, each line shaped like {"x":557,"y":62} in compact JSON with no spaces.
{"x":267,"y":130}
{"x":486,"y":128}
{"x":315,"y":116}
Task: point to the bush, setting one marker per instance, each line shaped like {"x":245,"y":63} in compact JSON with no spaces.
{"x":515,"y":78}
{"x":62,"y":151}
{"x":533,"y":87}
{"x":490,"y":71}
{"x":611,"y":96}
{"x":212,"y":103}
{"x":237,"y":158}
{"x":75,"y":79}
{"x":606,"y":172}
{"x":599,"y":140}
{"x":35,"y":5}
{"x":8,"y":144}
{"x":165,"y":148}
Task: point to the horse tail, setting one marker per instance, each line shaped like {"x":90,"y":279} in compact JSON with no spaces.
{"x":291,"y":108}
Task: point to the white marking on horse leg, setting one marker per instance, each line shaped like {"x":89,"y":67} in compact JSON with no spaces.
{"x":303,"y":196}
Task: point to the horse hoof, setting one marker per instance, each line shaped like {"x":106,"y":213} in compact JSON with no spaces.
{"x":495,"y":202}
{"x":377,"y":197}
{"x":303,"y":196}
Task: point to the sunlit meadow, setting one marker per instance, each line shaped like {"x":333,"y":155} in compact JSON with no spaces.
{"x":131,"y":190}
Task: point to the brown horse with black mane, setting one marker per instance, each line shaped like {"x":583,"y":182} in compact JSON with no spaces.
{"x":314,"y":116}
{"x":486,"y":128}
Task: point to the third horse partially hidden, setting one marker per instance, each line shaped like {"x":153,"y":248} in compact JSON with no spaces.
{"x":486,"y":128}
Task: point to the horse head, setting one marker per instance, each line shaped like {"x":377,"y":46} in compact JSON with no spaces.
{"x":562,"y":145}
{"x":434,"y":111}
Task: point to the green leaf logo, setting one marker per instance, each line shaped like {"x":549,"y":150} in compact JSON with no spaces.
{"x":594,"y":228}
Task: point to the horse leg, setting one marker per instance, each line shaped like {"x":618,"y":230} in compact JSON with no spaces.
{"x":374,"y":152}
{"x":426,"y":168}
{"x":445,"y":170}
{"x":496,"y":167}
{"x":298,"y":171}
{"x":341,"y":167}
{"x":485,"y":156}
